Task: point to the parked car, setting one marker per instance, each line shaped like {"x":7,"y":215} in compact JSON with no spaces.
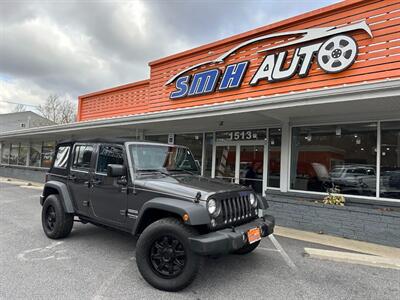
{"x":154,"y":192}
{"x":354,"y":179}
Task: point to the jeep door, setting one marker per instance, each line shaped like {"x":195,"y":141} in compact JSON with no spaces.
{"x":80,"y":176}
{"x":109,"y":194}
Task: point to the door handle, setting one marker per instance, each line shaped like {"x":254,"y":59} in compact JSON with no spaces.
{"x":72,"y":177}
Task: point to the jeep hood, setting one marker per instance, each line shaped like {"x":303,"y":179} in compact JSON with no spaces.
{"x":189,"y":185}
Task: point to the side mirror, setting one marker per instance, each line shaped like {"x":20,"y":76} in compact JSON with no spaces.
{"x":114,"y":170}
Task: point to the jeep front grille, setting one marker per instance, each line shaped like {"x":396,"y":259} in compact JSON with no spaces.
{"x":236,"y":209}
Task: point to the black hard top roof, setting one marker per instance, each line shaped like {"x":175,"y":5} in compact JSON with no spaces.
{"x":97,"y":140}
{"x":108,"y":141}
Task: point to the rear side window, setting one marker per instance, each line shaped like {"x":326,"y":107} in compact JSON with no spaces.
{"x":109,"y":155}
{"x":82,"y":157}
{"x":61,"y":160}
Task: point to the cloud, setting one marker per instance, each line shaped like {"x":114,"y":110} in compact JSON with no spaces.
{"x":74,"y":47}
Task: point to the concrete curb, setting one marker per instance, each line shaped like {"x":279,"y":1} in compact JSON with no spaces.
{"x":354,"y":258}
{"x":337,"y":242}
{"x":22,"y":183}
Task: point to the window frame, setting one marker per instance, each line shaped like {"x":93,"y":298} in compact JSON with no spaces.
{"x":98,"y":156}
{"x":73,"y":157}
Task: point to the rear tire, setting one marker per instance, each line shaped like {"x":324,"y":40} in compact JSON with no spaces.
{"x":164,"y":257}
{"x":56,"y":222}
{"x":247,"y":248}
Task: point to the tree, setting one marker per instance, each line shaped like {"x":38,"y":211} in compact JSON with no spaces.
{"x":19,"y":108}
{"x":57,"y":110}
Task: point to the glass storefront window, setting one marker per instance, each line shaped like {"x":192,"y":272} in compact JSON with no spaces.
{"x":274,"y":155}
{"x":343,"y":156}
{"x":158,"y":138}
{"x":23,"y":154}
{"x":14,"y":153}
{"x":193,"y":141}
{"x":5,"y":153}
{"x":34,"y":158}
{"x":47,"y":154}
{"x":207,"y":159}
{"x":390,"y":160}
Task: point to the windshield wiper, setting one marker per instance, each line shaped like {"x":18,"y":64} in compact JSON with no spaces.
{"x":155,"y":170}
{"x":182,"y":170}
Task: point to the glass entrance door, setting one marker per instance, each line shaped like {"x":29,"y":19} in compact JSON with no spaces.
{"x":242,"y":163}
{"x":226,"y":163}
{"x":251,"y":166}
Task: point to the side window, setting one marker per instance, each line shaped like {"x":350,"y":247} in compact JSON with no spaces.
{"x":82,"y":157}
{"x":61,"y":160}
{"x":109,"y":155}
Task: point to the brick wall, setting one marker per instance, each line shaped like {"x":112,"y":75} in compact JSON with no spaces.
{"x":23,"y":173}
{"x":369,"y":224}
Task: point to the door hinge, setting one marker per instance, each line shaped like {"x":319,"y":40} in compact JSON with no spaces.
{"x":85,"y":203}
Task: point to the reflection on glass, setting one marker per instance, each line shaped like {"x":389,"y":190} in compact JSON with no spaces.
{"x":47,"y":154}
{"x":390,"y":160}
{"x":336,"y":155}
{"x":251,"y":167}
{"x":274,"y":155}
{"x":208,"y":155}
{"x":14,"y":154}
{"x":34,"y":157}
{"x":5,"y":153}
{"x":225,"y":163}
{"x":194,"y":141}
{"x":23,"y":154}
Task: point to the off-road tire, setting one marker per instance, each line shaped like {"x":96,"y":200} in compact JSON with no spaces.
{"x":154,"y":232}
{"x":63,"y":222}
{"x":247,"y":248}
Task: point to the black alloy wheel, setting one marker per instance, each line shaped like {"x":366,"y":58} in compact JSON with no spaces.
{"x":168,"y":257}
{"x":50,"y":217}
{"x":56,"y":222}
{"x":164,"y":256}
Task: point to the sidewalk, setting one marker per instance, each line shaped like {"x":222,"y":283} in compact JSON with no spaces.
{"x":366,"y":253}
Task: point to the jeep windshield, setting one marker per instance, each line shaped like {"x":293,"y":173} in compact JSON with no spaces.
{"x":162,"y":158}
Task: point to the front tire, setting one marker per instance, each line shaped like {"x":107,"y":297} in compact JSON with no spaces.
{"x":56,"y":222}
{"x":247,"y":248}
{"x":164,"y":257}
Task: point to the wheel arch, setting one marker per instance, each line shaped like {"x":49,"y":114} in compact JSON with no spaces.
{"x":159,"y":208}
{"x":58,"y":188}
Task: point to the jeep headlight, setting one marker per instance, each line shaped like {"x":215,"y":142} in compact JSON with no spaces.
{"x":253,"y":200}
{"x":212,"y":207}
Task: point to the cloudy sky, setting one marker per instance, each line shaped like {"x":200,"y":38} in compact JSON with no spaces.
{"x":71,"y":48}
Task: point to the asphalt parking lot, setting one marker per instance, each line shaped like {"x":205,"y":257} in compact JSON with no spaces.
{"x":95,"y":263}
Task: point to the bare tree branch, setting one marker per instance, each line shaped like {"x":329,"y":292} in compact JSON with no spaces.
{"x":57,"y":110}
{"x":19,"y":108}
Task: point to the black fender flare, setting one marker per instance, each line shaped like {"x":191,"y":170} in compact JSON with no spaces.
{"x":198,"y":214}
{"x":63,"y":192}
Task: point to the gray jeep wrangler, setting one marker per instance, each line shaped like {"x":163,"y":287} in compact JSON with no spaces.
{"x":153,"y":191}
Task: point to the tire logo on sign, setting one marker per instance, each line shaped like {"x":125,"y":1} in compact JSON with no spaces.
{"x":337,"y":54}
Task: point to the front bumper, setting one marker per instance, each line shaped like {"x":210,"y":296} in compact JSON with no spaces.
{"x":227,"y":240}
